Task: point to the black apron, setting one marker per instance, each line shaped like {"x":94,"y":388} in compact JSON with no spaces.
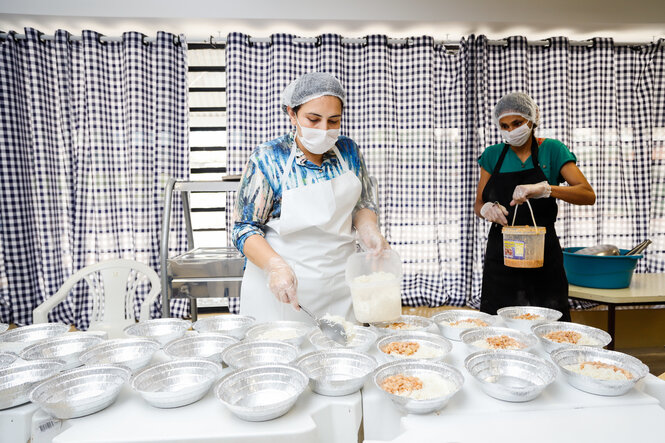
{"x":505,"y":286}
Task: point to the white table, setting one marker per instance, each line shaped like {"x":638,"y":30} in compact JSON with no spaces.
{"x":130,"y":419}
{"x":560,"y":413}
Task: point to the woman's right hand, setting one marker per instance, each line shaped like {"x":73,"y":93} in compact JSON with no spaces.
{"x":282,"y":281}
{"x":495,"y":213}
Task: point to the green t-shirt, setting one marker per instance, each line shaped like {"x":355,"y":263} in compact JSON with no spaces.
{"x":552,"y":155}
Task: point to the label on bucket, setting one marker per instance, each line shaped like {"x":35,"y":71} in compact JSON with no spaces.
{"x":513,"y":249}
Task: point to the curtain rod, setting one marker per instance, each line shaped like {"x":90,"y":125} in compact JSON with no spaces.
{"x":393,"y":41}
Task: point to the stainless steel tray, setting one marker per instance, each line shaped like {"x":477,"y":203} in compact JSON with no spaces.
{"x":207,"y":262}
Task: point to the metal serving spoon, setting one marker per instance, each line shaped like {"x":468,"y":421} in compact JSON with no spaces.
{"x":330,"y":329}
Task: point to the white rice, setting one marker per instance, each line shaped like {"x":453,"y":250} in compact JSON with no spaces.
{"x":597,"y":373}
{"x":278,"y":334}
{"x":584,"y":340}
{"x":463,"y":324}
{"x":349,"y":328}
{"x":424,"y":351}
{"x":434,"y":386}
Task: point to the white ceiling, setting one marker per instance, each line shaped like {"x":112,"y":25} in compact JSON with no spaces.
{"x":637,"y":20}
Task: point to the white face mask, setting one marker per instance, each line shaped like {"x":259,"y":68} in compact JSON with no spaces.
{"x":317,"y":141}
{"x":518,"y":136}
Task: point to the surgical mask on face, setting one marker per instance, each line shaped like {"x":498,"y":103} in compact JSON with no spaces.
{"x":518,"y":136}
{"x":317,"y":141}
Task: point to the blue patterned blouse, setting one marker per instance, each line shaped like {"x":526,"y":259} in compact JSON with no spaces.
{"x":259,"y":197}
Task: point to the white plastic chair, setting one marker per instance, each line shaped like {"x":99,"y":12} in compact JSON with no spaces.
{"x":113,"y":286}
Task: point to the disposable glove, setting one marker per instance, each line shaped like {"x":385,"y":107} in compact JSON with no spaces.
{"x":282,"y":281}
{"x":494,"y":212}
{"x":536,"y":190}
{"x":371,"y":239}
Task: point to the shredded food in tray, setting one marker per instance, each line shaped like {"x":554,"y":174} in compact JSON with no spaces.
{"x":401,"y":347}
{"x":499,"y":342}
{"x":466,"y":322}
{"x":600,"y":370}
{"x":401,"y":384}
{"x":527,"y":316}
{"x":563,"y":336}
{"x":400,"y":325}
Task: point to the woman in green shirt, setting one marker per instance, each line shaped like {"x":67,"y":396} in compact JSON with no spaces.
{"x":525,"y":168}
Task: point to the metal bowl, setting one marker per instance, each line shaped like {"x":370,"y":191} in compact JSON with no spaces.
{"x":419,"y":368}
{"x":444,"y":319}
{"x":263,"y":392}
{"x":66,"y":347}
{"x":601,"y":337}
{"x":361,"y":342}
{"x":176,"y":383}
{"x":80,"y":391}
{"x":7,"y":358}
{"x":208,"y":346}
{"x":163,"y":330}
{"x":471,"y":336}
{"x":412,"y":323}
{"x":19,"y":338}
{"x":259,"y":352}
{"x":227,"y":324}
{"x":294,"y":332}
{"x":508,"y":315}
{"x":438,"y":344}
{"x":515,"y":376}
{"x":133,"y":353}
{"x":16,"y":381}
{"x":575,"y":355}
{"x":3,"y":327}
{"x":336,"y":372}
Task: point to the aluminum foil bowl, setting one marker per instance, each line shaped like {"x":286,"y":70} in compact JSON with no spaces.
{"x":402,"y":325}
{"x":362,"y":341}
{"x":293,"y":332}
{"x":209,"y":346}
{"x":445,"y":318}
{"x":7,"y":359}
{"x":3,"y":327}
{"x":66,"y":347}
{"x":515,"y":376}
{"x":80,"y":391}
{"x":164,"y":330}
{"x":132,"y":353}
{"x":176,"y":383}
{"x":471,"y":337}
{"x":418,"y":368}
{"x":575,"y":355}
{"x":336,"y":372}
{"x":19,"y":338}
{"x":227,"y":324}
{"x":593,"y":337}
{"x":508,"y":315}
{"x":259,"y":352}
{"x":263,"y":392}
{"x":16,"y":381}
{"x":435,"y":347}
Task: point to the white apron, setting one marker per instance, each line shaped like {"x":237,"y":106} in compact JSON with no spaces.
{"x":314,"y":235}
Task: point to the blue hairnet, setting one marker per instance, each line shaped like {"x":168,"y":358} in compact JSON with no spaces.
{"x":310,"y":86}
{"x":516,"y":103}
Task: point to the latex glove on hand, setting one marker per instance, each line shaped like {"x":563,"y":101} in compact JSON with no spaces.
{"x":282,"y":281}
{"x":495,"y":213}
{"x":536,"y":190}
{"x":371,"y":238}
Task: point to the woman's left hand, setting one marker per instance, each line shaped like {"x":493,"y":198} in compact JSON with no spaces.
{"x":536,"y":190}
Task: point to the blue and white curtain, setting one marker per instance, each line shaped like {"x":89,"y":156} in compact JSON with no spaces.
{"x":90,"y":131}
{"x":420,"y":113}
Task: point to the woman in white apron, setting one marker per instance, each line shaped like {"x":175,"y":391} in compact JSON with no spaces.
{"x":300,"y":198}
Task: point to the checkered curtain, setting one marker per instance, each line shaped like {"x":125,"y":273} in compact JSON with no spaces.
{"x":421,"y":116}
{"x":90,"y":131}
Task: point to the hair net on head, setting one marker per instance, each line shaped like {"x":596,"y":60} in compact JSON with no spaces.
{"x":310,"y":86}
{"x":516,"y":103}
